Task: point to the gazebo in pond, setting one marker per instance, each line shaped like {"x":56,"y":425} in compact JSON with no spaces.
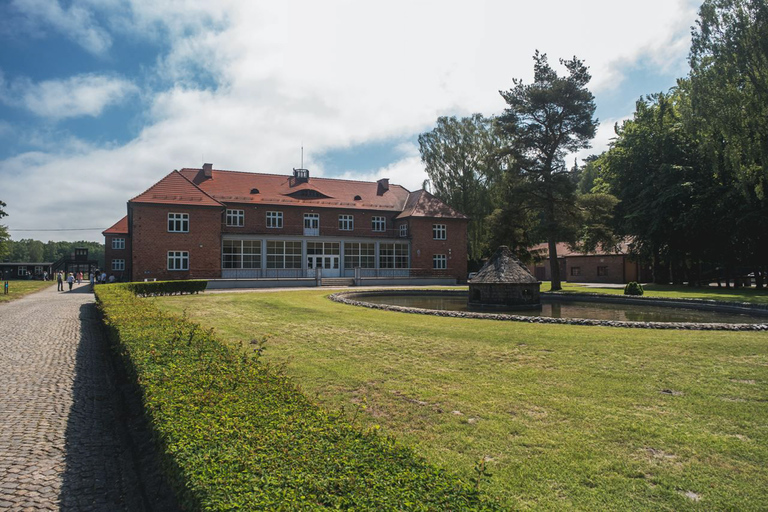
{"x":504,"y":281}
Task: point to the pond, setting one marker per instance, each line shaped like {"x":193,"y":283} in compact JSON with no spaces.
{"x":559,"y":307}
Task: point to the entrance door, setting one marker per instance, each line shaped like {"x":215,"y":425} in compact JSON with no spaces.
{"x":329,"y":265}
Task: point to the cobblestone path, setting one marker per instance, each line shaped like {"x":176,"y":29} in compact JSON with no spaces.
{"x":64,"y":443}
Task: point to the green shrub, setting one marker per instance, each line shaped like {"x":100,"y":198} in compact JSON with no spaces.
{"x":234,"y":433}
{"x":158,"y":288}
{"x":633,"y":288}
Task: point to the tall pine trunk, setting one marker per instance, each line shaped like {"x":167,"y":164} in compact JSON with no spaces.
{"x":554,"y":264}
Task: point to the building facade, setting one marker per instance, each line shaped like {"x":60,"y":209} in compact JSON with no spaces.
{"x":214,"y":224}
{"x":576,"y":267}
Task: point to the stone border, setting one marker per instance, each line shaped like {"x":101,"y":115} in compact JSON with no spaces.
{"x":350,"y":299}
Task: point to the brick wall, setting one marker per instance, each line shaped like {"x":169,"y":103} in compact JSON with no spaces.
{"x":588,"y":269}
{"x":152,"y":241}
{"x":424,"y":246}
{"x":122,"y":254}
{"x":293,"y":221}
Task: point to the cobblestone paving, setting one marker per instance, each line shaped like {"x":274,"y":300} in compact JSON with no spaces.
{"x":63,"y":440}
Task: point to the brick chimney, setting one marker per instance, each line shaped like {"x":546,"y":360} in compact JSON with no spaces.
{"x":208,"y":170}
{"x":383,"y":186}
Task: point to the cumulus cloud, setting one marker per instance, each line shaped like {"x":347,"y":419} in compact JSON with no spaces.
{"x":245,"y":83}
{"x":81,"y":95}
{"x":75,"y":22}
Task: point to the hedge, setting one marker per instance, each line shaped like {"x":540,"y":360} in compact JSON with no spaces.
{"x":157,"y":288}
{"x":234,"y":433}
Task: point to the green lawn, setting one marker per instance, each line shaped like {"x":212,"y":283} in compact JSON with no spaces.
{"x":670,"y":291}
{"x":566,"y":416}
{"x":18,"y":289}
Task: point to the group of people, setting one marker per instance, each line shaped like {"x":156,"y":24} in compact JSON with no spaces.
{"x":77,"y":277}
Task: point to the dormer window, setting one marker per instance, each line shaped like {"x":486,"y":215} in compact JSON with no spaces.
{"x":254,"y":191}
{"x":358,"y":198}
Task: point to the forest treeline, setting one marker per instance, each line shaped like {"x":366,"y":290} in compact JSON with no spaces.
{"x":685,"y":179}
{"x":35,"y":251}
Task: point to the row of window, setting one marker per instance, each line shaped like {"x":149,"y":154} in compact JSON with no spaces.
{"x":601,"y":271}
{"x":281,"y":254}
{"x":179,"y":223}
{"x":246,"y":254}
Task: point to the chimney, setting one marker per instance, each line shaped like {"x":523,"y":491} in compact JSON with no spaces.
{"x":383,"y":186}
{"x":208,"y":170}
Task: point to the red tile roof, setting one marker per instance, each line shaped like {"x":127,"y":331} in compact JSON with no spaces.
{"x":423,"y":204}
{"x":236,"y":186}
{"x":120,"y":228}
{"x":176,"y":189}
{"x":541,"y":251}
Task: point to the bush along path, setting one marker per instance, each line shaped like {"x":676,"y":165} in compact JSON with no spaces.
{"x":235,"y":433}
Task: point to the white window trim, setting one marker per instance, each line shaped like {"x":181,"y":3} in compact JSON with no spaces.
{"x":346,"y":222}
{"x":181,"y":256}
{"x":439,"y":232}
{"x":379,"y":221}
{"x":120,"y":267}
{"x":182,"y":218}
{"x":237,"y":215}
{"x":403,"y":230}
{"x":439,"y":262}
{"x":118,"y":244}
{"x":274,"y":220}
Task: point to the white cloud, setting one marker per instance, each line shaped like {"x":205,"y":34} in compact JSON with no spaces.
{"x":75,"y":22}
{"x":329,"y":74}
{"x":81,"y":95}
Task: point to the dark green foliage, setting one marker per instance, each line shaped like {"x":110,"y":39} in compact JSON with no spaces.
{"x":159,"y":288}
{"x":633,"y":288}
{"x":27,"y":249}
{"x":235,"y":434}
{"x":543,"y":121}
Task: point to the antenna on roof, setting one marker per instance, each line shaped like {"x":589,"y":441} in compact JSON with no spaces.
{"x":302,"y":154}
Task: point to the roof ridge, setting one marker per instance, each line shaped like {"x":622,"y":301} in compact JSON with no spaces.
{"x":198,"y":188}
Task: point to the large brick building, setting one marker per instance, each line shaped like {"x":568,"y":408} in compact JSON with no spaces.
{"x":213,"y":224}
{"x":577,"y":267}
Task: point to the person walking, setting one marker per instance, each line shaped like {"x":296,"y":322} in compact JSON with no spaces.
{"x":79,"y":277}
{"x":59,"y":281}
{"x":70,"y":280}
{"x":93,"y":278}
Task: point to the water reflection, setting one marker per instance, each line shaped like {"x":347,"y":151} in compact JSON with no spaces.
{"x":559,"y":308}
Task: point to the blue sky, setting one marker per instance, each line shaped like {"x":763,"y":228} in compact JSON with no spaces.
{"x":101,"y":98}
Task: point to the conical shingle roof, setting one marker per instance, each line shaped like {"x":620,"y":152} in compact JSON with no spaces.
{"x":504,"y":267}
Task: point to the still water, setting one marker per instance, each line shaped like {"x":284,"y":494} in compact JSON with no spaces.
{"x":559,"y":308}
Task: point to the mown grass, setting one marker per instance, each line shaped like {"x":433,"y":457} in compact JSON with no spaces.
{"x":566,"y":416}
{"x":752,"y":295}
{"x":18,"y":289}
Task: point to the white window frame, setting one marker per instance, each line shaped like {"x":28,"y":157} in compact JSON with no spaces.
{"x":346,"y":222}
{"x":235,"y":218}
{"x":378,"y":224}
{"x":178,"y":261}
{"x":178,"y":222}
{"x":439,"y":232}
{"x":118,"y":243}
{"x":274,"y":220}
{"x":118,"y":265}
{"x":439,"y":262}
{"x":22,"y":271}
{"x":403,"y":230}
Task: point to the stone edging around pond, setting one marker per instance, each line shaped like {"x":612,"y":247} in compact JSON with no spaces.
{"x":349,"y":298}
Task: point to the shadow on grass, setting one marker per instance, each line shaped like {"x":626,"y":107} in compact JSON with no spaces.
{"x":110,"y":462}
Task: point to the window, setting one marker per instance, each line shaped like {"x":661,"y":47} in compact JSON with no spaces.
{"x":241,"y":254}
{"x":283,"y":254}
{"x":178,"y":223}
{"x":439,"y":262}
{"x":359,"y":255}
{"x":274,"y":220}
{"x":22,"y":271}
{"x":403,"y":230}
{"x":438,"y":231}
{"x":178,"y":260}
{"x":118,"y":243}
{"x":38,"y":270}
{"x":602,"y":271}
{"x":575,"y":271}
{"x":346,"y":222}
{"x":393,"y":255}
{"x":328,"y":248}
{"x":378,"y":223}
{"x":236,"y":218}
{"x":118,"y":265}
{"x":311,"y":224}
